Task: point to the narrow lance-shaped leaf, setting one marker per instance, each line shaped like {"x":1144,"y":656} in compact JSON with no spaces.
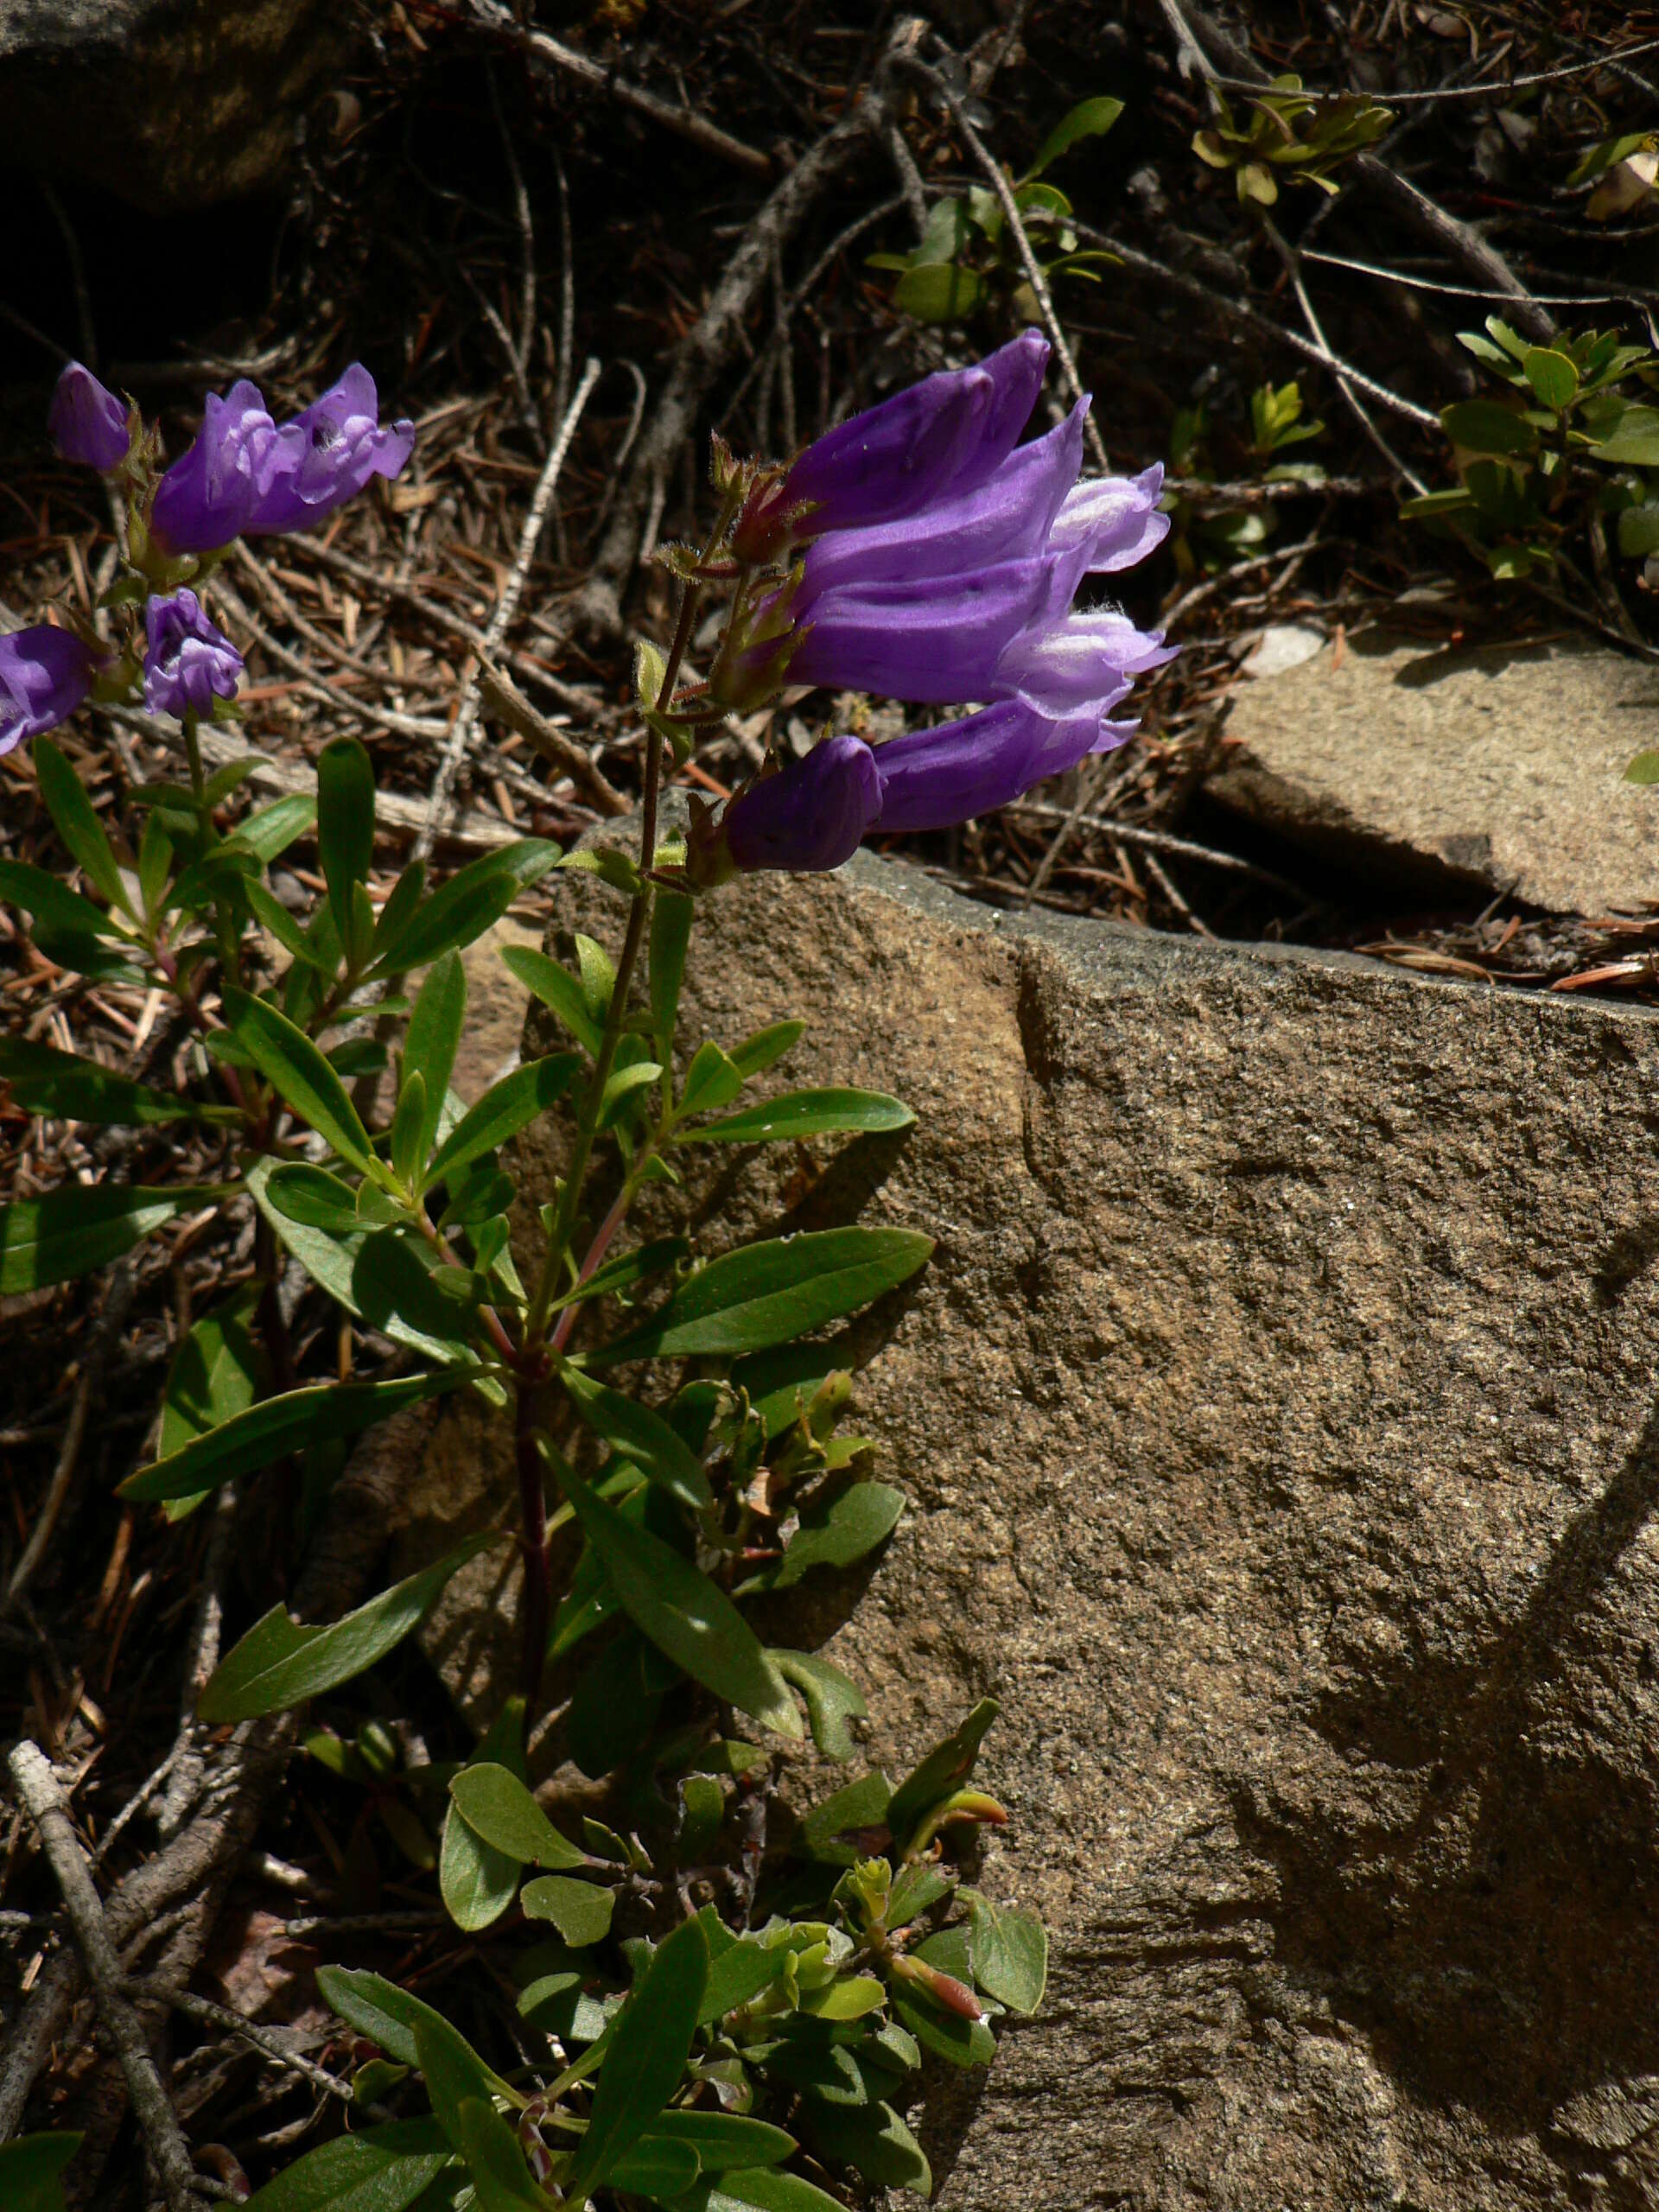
{"x":504,"y":1110}
{"x":277,"y":1427}
{"x":640,"y":1435}
{"x":344,"y":823}
{"x":77,"y":822}
{"x":296,"y":1068}
{"x":804,"y":1113}
{"x":44,"y":1081}
{"x":684,"y":1614}
{"x":280,"y":1663}
{"x":671,"y":935}
{"x":464,"y":908}
{"x":646,"y":2057}
{"x":433,"y":1040}
{"x":768,"y":1293}
{"x":382,"y":2169}
{"x":558,"y":990}
{"x":71,"y":1230}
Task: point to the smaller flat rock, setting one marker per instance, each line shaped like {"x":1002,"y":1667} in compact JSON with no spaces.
{"x":1500,"y":766}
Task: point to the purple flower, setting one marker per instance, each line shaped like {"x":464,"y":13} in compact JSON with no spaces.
{"x":811,"y":815}
{"x":246,"y":472}
{"x":940,"y":437}
{"x":85,"y":422}
{"x":205,"y":498}
{"x":188,"y":661}
{"x":329,"y":453}
{"x":44,"y":676}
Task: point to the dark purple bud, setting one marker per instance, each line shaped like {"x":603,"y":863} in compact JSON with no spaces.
{"x":189,"y":662}
{"x":207,"y":497}
{"x":87,"y":422}
{"x":328,"y":454}
{"x":809,"y":815}
{"x":44,"y":676}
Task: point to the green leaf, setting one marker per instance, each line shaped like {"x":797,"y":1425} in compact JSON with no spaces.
{"x":496,"y":1803}
{"x":1634,"y":443}
{"x":504,"y":1110}
{"x":580,"y":1910}
{"x":1009,"y":1947}
{"x":31,"y":2169}
{"x":501,"y":2179}
{"x":80,"y":1227}
{"x":722,"y":2139}
{"x":684,"y":1614}
{"x":277,"y":1427}
{"x":77,"y":823}
{"x":1644,"y":769}
{"x":476,"y":1882}
{"x":757,"y":1053}
{"x":269,"y":909}
{"x":964,"y":2042}
{"x":671,"y":935}
{"x":640,"y":1435}
{"x":944,"y":1768}
{"x":768,"y":1293}
{"x":280,"y":1663}
{"x":804,"y":1114}
{"x":295,"y":1068}
{"x":656,"y":2167}
{"x":52,"y":902}
{"x":344,"y":823}
{"x":388,"y":2016}
{"x":462,"y":909}
{"x":452,"y":2070}
{"x":559,"y":991}
{"x":760,"y":2188}
{"x":274,"y":828}
{"x":314,"y":1196}
{"x":217,"y":1373}
{"x":1638,"y":531}
{"x":649,"y":2048}
{"x":838,"y":1531}
{"x":1552,"y":376}
{"x":916,"y":1891}
{"x":628,"y":1269}
{"x":938,"y":292}
{"x":713,"y":1080}
{"x":738,"y":1975}
{"x":434,"y":1037}
{"x":45,"y":1081}
{"x":383,"y":2170}
{"x":873,"y":2138}
{"x":862,"y":1805}
{"x":1088,"y":119}
{"x":832,"y":1700}
{"x":1482,"y":426}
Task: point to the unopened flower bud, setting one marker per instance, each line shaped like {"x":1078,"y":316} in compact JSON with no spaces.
{"x":943,"y":1989}
{"x":87,"y":421}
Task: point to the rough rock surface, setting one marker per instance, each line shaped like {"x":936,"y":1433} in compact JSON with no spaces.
{"x":1501,"y":766}
{"x":1278,"y":1417}
{"x":173,"y":104}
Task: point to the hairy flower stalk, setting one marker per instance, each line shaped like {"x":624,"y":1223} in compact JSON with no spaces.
{"x":932,"y":561}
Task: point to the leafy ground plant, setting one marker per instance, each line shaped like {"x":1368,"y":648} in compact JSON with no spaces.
{"x":681,"y":1989}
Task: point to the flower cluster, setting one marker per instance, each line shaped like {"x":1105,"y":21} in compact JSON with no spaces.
{"x":245,"y":474}
{"x":917,"y":551}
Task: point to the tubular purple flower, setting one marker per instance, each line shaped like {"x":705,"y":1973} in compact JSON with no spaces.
{"x":935,"y":438}
{"x":205,"y":498}
{"x":329,"y":453}
{"x":1116,"y":517}
{"x":87,"y":422}
{"x":933,"y":778}
{"x":44,"y":676}
{"x":1063,"y":665}
{"x":189,"y":661}
{"x":811,"y":815}
{"x":932,"y":639}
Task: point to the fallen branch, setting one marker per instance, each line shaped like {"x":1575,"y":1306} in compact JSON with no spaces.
{"x":505,"y":700}
{"x":684,"y":122}
{"x":37,"y":1787}
{"x":454,"y":745}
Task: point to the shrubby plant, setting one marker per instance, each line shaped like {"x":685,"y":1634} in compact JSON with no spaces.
{"x":681,"y":1988}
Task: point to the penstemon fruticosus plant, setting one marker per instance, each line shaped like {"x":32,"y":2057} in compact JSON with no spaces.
{"x":701,"y":1979}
